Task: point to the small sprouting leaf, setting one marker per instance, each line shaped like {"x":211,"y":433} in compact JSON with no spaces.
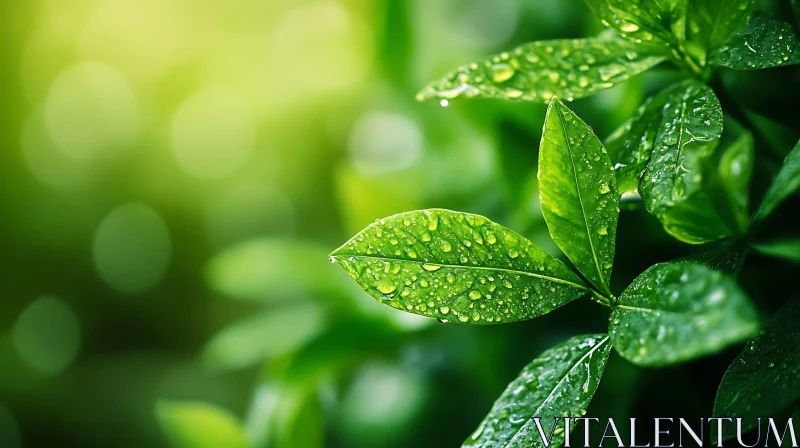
{"x":735,"y":168}
{"x":764,"y":43}
{"x":559,"y":383}
{"x":537,"y":71}
{"x":578,"y":192}
{"x":673,"y":312}
{"x":661,"y":21}
{"x":713,"y":22}
{"x":268,"y":335}
{"x":765,"y":378}
{"x":200,"y":425}
{"x":457,"y":267}
{"x":785,"y":183}
{"x":673,"y":186}
{"x":788,"y":249}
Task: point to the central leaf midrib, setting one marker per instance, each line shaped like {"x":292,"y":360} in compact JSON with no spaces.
{"x":580,"y":199}
{"x":457,"y":266}
{"x":558,"y":384}
{"x":684,"y":99}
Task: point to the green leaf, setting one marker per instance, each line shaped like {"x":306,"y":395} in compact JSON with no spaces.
{"x":266,"y":270}
{"x":787,"y":249}
{"x":785,"y":183}
{"x":673,"y":312}
{"x":578,"y":192}
{"x":537,"y":71}
{"x":662,"y":21}
{"x":456,"y":266}
{"x":199,"y":425}
{"x":765,"y":378}
{"x":735,"y":168}
{"x":713,"y":22}
{"x":675,"y":185}
{"x":725,"y":256}
{"x":300,"y":420}
{"x":632,"y":143}
{"x":559,"y":383}
{"x":268,"y":335}
{"x":765,"y":43}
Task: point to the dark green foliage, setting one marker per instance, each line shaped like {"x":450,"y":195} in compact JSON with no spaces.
{"x":466,"y":269}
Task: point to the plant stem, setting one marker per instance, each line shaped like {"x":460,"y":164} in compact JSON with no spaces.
{"x":602,"y":299}
{"x":695,"y":67}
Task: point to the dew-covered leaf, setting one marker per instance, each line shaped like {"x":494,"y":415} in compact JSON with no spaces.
{"x":675,"y":186}
{"x":658,"y":21}
{"x":673,"y":312}
{"x":199,"y":425}
{"x":785,"y":184}
{"x":537,"y":71}
{"x":631,"y":144}
{"x":725,"y":256}
{"x":578,"y":192}
{"x":265,"y":336}
{"x":559,"y":383}
{"x":764,"y":43}
{"x":713,"y":22}
{"x":786,"y":249}
{"x":765,"y":378}
{"x":457,"y":267}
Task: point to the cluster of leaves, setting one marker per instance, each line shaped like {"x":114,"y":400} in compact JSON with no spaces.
{"x":463,"y":268}
{"x":305,"y":329}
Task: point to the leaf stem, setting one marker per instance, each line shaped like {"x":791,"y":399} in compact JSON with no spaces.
{"x":608,"y":301}
{"x":695,"y":67}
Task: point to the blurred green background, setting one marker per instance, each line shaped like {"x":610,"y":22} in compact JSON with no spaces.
{"x":174,"y":174}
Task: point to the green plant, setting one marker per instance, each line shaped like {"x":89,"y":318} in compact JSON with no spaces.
{"x":672,"y":154}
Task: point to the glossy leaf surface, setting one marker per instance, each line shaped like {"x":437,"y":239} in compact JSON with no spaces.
{"x":662,"y":21}
{"x":785,"y":183}
{"x":674,"y":312}
{"x":724,"y":256}
{"x":765,"y":378}
{"x":765,"y":43}
{"x":458,"y":267}
{"x":578,"y":192}
{"x":632,"y":143}
{"x":673,"y":186}
{"x":537,"y":71}
{"x":713,"y":22}
{"x":559,"y":383}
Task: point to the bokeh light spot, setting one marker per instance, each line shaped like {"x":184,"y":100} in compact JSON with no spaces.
{"x":213,"y":133}
{"x":91,"y":111}
{"x":9,"y":429}
{"x":487,"y":23}
{"x":320,"y":46}
{"x":132,"y":248}
{"x":402,"y":395}
{"x":384,"y":142}
{"x":47,"y":163}
{"x":143,"y":37}
{"x":47,"y":335}
{"x":248,"y":210}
